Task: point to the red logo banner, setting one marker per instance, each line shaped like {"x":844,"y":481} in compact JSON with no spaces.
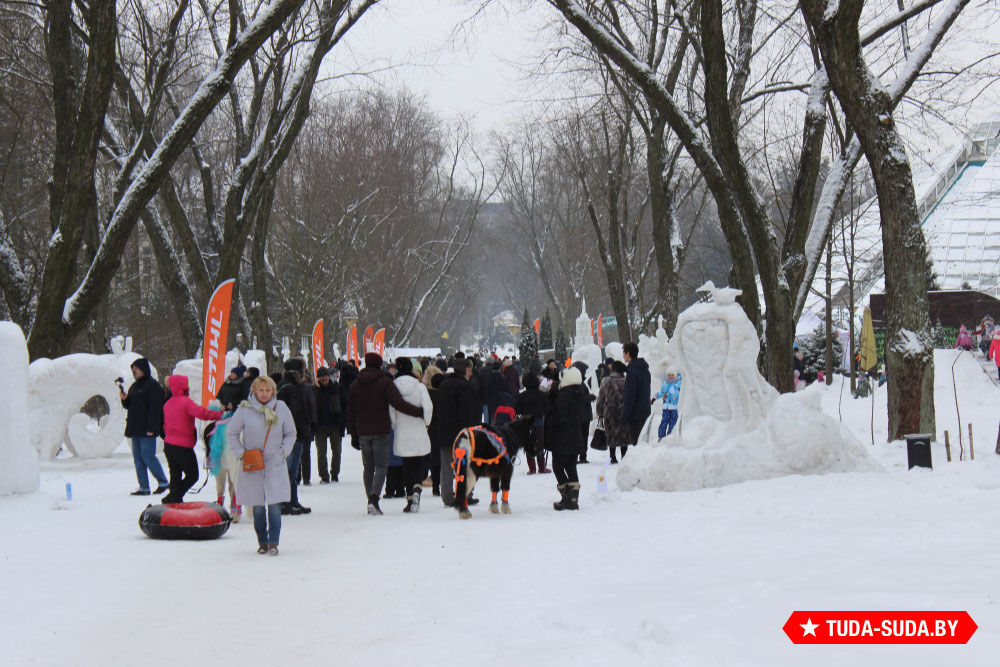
{"x":213,"y":364}
{"x":352,"y":345}
{"x":378,"y":343}
{"x":880,"y":627}
{"x":318,"y":359}
{"x":368,"y":340}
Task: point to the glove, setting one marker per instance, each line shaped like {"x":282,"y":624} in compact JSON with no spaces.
{"x":355,"y":443}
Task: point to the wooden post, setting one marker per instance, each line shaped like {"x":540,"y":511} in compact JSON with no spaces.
{"x":972,"y":449}
{"x":947,"y":446}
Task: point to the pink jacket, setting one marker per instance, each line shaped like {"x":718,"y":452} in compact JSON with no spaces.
{"x":180,"y":412}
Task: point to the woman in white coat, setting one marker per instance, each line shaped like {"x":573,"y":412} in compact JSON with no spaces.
{"x":263,"y":422}
{"x":411,"y":442}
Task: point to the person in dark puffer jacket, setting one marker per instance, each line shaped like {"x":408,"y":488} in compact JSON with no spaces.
{"x":143,"y":422}
{"x":301,"y":402}
{"x":531,"y":403}
{"x":570,"y":410}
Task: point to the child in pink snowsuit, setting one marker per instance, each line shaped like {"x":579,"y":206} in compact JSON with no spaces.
{"x":964,"y":340}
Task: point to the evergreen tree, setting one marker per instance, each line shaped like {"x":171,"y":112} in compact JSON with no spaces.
{"x":560,"y":353}
{"x":813,"y":351}
{"x":527,"y":350}
{"x":545,"y":333}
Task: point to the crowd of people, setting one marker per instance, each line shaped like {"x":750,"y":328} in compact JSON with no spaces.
{"x":403,"y":417}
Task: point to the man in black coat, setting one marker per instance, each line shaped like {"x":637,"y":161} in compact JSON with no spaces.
{"x":143,"y":422}
{"x":232,"y":392}
{"x":459,"y":408}
{"x":301,"y":402}
{"x":331,"y":409}
{"x":636,"y":408}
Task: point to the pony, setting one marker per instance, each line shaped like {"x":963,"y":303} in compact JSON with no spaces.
{"x":488,"y":451}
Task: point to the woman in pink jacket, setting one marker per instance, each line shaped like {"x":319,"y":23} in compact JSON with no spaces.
{"x":180,"y":436}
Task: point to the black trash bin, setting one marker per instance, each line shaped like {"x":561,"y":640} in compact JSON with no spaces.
{"x":918,"y":450}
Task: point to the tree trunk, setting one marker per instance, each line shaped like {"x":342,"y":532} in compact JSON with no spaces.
{"x":867,"y":105}
{"x":661,"y":207}
{"x":176,"y":284}
{"x":829,"y":312}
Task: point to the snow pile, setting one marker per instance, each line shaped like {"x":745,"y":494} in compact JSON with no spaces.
{"x":734,"y":426}
{"x":18,"y":461}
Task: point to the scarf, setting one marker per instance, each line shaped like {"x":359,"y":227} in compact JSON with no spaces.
{"x":270,"y":416}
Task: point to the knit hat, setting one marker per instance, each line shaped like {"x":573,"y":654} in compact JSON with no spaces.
{"x":239,"y":371}
{"x":372,"y":359}
{"x":569,"y":377}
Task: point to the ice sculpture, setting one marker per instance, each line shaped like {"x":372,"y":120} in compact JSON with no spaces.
{"x":734,"y":426}
{"x":18,"y":461}
{"x":58,"y":388}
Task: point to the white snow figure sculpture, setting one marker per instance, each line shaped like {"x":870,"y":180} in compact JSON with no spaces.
{"x":18,"y":461}
{"x":59,"y":387}
{"x":256,"y":359}
{"x":614,"y":351}
{"x":735,"y":426}
{"x":191,"y":369}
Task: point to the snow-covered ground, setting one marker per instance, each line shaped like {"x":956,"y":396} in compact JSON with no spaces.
{"x":689,"y":578}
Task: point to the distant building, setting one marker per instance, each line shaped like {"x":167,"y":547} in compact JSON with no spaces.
{"x":959,"y":199}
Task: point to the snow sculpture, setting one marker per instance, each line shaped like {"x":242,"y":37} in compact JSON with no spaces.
{"x":614,"y":351}
{"x":191,"y":369}
{"x":58,"y":388}
{"x":256,"y":359}
{"x":18,"y":461}
{"x":734,"y":426}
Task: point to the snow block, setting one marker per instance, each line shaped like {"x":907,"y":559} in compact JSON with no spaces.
{"x":59,"y":387}
{"x":18,"y":461}
{"x":734,"y":426}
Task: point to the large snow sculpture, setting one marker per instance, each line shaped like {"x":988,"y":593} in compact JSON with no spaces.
{"x":59,"y":387}
{"x":734,"y":426}
{"x":18,"y":461}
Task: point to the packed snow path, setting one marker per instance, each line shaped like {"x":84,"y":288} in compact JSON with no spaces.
{"x":690,"y":578}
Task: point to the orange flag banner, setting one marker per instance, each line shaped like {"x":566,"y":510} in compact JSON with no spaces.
{"x":538,"y":326}
{"x":378,"y":343}
{"x":369,"y":338}
{"x":213,"y":361}
{"x":318,"y":359}
{"x":600,"y":331}
{"x":352,"y":345}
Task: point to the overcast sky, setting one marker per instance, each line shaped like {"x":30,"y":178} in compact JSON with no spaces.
{"x":463,"y":60}
{"x":474,"y":62}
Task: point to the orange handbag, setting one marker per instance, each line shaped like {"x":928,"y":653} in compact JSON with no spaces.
{"x":253,"y":459}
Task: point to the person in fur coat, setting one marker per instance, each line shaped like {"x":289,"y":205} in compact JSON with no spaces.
{"x":610,"y":402}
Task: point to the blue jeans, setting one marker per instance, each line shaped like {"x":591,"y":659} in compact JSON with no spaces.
{"x":667,"y":422}
{"x":267,"y":523}
{"x":144,"y":455}
{"x":294,"y":460}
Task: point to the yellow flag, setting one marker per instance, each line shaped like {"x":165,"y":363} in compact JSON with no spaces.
{"x":867,"y":356}
{"x":444,"y":335}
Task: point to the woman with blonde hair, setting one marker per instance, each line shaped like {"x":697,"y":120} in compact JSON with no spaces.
{"x":264,"y":423}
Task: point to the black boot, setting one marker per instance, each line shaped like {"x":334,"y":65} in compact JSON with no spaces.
{"x":373,"y":507}
{"x":573,"y":496}
{"x":564,"y":498}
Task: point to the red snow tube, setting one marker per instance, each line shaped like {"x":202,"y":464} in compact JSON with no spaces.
{"x":185,"y":521}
